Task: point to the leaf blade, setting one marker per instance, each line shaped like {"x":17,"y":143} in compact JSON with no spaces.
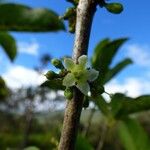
{"x":24,"y":18}
{"x":9,"y":45}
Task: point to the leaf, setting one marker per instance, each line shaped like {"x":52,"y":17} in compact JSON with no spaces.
{"x":141,"y":103}
{"x":3,"y":89}
{"x":117,"y":69}
{"x":55,"y":84}
{"x":9,"y":45}
{"x":83,"y":144}
{"x":17,"y":17}
{"x":121,"y":105}
{"x":101,"y":103}
{"x":132,"y":135}
{"x":96,"y":62}
{"x":104,"y":54}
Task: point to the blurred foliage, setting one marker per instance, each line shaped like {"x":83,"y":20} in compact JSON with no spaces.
{"x":9,"y":45}
{"x":23,"y":126}
{"x":24,"y":18}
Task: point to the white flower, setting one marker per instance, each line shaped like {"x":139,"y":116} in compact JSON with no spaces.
{"x":78,"y":74}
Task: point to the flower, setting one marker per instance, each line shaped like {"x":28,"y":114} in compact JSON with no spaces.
{"x":78,"y":74}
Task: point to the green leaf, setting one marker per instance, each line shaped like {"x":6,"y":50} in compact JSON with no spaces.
{"x":9,"y":45}
{"x":121,"y":105}
{"x":132,"y":135}
{"x":55,"y":84}
{"x":104,"y":54}
{"x":83,"y":144}
{"x":16,"y":17}
{"x":95,"y":60}
{"x":3,"y":89}
{"x":101,"y":103}
{"x":117,"y":69}
{"x":141,"y":103}
{"x":117,"y":103}
{"x":115,"y":8}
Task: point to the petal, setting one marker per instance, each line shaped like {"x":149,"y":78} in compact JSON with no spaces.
{"x":69,"y":80}
{"x":92,"y":74}
{"x":69,"y":64}
{"x":83,"y":87}
{"x":82,"y":61}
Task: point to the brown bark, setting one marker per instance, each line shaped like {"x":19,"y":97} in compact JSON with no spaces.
{"x":85,"y":12}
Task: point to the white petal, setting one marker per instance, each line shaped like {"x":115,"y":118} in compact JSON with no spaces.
{"x":92,"y":74}
{"x":82,"y":60}
{"x":69,"y":64}
{"x":83,"y":87}
{"x":69,"y":80}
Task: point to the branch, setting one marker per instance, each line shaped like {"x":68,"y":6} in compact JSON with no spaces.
{"x":85,"y":12}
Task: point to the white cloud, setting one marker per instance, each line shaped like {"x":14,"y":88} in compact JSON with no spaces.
{"x":139,"y":54}
{"x":132,"y":86}
{"x":19,"y":76}
{"x":30,"y":48}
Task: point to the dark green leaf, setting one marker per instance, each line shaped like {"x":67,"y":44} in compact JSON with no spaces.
{"x":115,"y":8}
{"x":16,"y":17}
{"x":117,"y":103}
{"x":101,"y":103}
{"x":3,"y":89}
{"x":55,"y":84}
{"x":9,"y":45}
{"x":117,"y":69}
{"x":122,"y":105}
{"x":132,"y":135}
{"x":141,"y":103}
{"x":104,"y":54}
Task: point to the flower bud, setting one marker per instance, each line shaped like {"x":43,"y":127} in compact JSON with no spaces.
{"x":51,"y":75}
{"x":115,"y":8}
{"x":57,"y":63}
{"x":68,"y":93}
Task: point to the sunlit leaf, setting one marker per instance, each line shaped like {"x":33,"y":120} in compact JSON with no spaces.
{"x":104,"y":54}
{"x":132,"y":135}
{"x":16,"y":17}
{"x":9,"y":45}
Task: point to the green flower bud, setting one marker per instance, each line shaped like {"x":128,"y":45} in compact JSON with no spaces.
{"x":115,"y":8}
{"x":57,"y":63}
{"x":51,"y":75}
{"x":63,"y":73}
{"x":68,"y":93}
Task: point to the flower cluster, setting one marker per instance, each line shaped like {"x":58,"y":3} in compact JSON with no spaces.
{"x":78,"y":74}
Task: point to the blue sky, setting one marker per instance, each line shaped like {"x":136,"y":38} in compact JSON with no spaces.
{"x":134,"y":23}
